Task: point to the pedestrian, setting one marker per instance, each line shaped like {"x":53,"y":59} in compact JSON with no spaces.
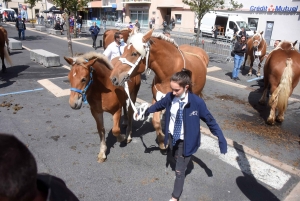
{"x":62,"y":23}
{"x":19,"y":178}
{"x":150,"y":23}
{"x":71,"y":24}
{"x":104,"y":22}
{"x":116,"y":48}
{"x":58,"y":27}
{"x":38,"y":18}
{"x":130,"y":26}
{"x":276,"y":43}
{"x":215,"y":34}
{"x":137,"y":25}
{"x":21,"y":27}
{"x":240,"y":49}
{"x":235,"y":33}
{"x":79,"y":23}
{"x":94,"y":29}
{"x":173,"y":23}
{"x":183,"y":111}
{"x":165,"y":25}
{"x":243,"y":33}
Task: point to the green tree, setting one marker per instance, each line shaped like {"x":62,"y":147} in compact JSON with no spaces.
{"x":201,"y":7}
{"x":31,"y":3}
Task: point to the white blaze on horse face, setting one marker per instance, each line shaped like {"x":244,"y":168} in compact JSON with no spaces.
{"x":128,"y":47}
{"x":74,"y":74}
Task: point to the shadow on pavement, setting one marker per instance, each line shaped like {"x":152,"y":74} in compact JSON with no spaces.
{"x":16,"y":52}
{"x":247,"y":183}
{"x":11,"y":73}
{"x":253,"y":99}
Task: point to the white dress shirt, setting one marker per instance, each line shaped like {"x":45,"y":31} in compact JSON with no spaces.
{"x":174,"y":108}
{"x":112,"y":50}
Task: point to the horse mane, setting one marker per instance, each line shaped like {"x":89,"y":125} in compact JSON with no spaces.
{"x":137,"y":41}
{"x":82,"y":58}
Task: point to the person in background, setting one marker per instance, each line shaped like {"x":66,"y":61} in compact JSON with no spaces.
{"x":235,"y":33}
{"x":183,"y":111}
{"x":116,"y":48}
{"x":240,"y":49}
{"x":104,"y":22}
{"x":137,"y":25}
{"x":150,"y":23}
{"x":58,"y":27}
{"x":276,"y":43}
{"x":165,"y":25}
{"x":215,"y":34}
{"x":173,"y":23}
{"x":243,"y":33}
{"x":62,"y":23}
{"x":94,"y":29}
{"x":79,"y":23}
{"x":71,"y":24}
{"x":21,"y":27}
{"x":19,"y":179}
{"x":130,"y":26}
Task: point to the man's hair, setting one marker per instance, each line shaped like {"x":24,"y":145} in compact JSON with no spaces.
{"x":18,"y":170}
{"x":117,"y":35}
{"x":183,"y":78}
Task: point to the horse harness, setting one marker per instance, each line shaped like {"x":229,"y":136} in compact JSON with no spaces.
{"x":83,"y":92}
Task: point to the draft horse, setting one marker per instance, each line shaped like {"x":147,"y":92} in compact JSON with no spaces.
{"x":6,"y":38}
{"x":162,"y":55}
{"x":281,"y":74}
{"x":256,"y":49}
{"x":108,"y":36}
{"x":89,"y":79}
{"x":3,"y":51}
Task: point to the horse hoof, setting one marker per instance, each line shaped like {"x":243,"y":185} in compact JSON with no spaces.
{"x":129,"y":140}
{"x":270,"y":121}
{"x":101,"y":157}
{"x":279,"y":119}
{"x":121,"y":138}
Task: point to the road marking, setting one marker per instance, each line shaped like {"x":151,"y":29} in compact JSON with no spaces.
{"x":20,"y":92}
{"x":213,"y":68}
{"x":294,"y":194}
{"x":26,"y":48}
{"x":53,"y":88}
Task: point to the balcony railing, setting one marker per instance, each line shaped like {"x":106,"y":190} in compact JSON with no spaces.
{"x":108,"y":2}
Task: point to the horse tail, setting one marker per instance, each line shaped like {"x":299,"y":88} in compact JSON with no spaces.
{"x":283,"y":91}
{"x":248,"y":60}
{"x":6,"y":56}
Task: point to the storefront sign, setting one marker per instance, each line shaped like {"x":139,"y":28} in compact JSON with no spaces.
{"x":90,"y":23}
{"x":272,"y":8}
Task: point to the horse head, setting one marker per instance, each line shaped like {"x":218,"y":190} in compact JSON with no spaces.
{"x":80,"y":78}
{"x":132,"y":61}
{"x":256,"y":39}
{"x":285,"y":45}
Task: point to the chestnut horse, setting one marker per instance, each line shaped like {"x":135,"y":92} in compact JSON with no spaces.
{"x":281,"y":73}
{"x":108,"y":36}
{"x":256,"y":49}
{"x":3,"y":51}
{"x":6,"y":38}
{"x":89,"y":79}
{"x":162,"y":55}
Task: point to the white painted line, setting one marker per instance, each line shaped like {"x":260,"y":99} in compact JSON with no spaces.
{"x":294,"y":194}
{"x":53,"y":88}
{"x":247,"y":164}
{"x":213,"y":68}
{"x":67,"y":67}
{"x":26,"y":48}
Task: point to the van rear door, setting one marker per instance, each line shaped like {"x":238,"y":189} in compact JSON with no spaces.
{"x":207,"y":23}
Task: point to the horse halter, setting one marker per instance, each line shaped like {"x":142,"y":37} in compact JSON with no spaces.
{"x":258,"y":41}
{"x":83,"y":92}
{"x":134,"y":65}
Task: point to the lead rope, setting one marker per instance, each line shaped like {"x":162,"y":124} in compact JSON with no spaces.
{"x":139,"y":112}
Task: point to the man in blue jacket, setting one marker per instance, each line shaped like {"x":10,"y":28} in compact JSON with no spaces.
{"x":94,"y":31}
{"x":182,"y":125}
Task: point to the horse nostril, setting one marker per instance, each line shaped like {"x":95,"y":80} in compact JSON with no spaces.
{"x":114,"y":80}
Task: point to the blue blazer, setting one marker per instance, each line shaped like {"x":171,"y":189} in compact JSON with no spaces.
{"x":193,"y":111}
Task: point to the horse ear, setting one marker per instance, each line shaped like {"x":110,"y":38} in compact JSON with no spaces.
{"x":261,"y":33}
{"x":147,"y":36}
{"x":295,"y":43}
{"x":254,"y":32}
{"x":91,"y":62}
{"x":69,"y":60}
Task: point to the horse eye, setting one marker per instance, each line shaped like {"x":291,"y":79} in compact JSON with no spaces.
{"x":83,"y":79}
{"x":134,"y":54}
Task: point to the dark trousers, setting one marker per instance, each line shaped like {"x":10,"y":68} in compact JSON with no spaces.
{"x":94,"y":37}
{"x":181,"y":166}
{"x":21,"y":31}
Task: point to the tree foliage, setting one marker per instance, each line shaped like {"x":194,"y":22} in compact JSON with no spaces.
{"x":201,"y":7}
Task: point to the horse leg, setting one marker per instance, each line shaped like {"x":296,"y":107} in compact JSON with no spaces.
{"x":157,"y":126}
{"x":129,"y":125}
{"x":125,"y":115}
{"x":251,"y":66}
{"x":116,"y":127}
{"x":264,"y":95}
{"x":259,"y":66}
{"x":246,"y":56}
{"x":101,"y":131}
{"x":280,"y":116}
{"x":273,"y":105}
{"x":2,"y":58}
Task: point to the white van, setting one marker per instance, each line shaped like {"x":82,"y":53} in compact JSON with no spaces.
{"x":224,"y":20}
{"x":10,"y":14}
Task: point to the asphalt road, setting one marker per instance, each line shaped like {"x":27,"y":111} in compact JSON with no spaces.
{"x":65,"y":141}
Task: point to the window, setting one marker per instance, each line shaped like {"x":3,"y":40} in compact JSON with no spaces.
{"x":177,"y":18}
{"x":243,"y":24}
{"x":253,"y":23}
